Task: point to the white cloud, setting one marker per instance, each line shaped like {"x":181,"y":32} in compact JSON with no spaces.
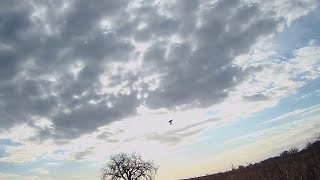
{"x":43,"y":123}
{"x":53,"y":164}
{"x":42,"y":171}
{"x":290,"y":9}
{"x":293,"y":114}
{"x":19,"y":134}
{"x":26,"y":153}
{"x":6,"y":176}
{"x":277,"y":79}
{"x":9,"y":176}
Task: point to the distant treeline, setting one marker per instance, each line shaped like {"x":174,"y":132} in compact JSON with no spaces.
{"x":292,"y":164}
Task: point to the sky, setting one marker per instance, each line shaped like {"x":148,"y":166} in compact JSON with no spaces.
{"x":82,"y":80}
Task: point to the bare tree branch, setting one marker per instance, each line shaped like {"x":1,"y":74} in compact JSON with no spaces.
{"x":128,"y":167}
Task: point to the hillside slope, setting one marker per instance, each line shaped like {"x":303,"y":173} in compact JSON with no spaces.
{"x":290,"y":165}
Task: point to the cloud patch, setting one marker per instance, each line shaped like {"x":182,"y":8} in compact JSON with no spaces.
{"x":82,"y":66}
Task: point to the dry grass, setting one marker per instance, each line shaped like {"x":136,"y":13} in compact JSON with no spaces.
{"x":290,"y":165}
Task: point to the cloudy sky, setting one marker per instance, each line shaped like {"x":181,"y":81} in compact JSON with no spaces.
{"x":81,"y":80}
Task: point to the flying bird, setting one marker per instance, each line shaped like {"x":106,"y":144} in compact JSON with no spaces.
{"x":170,"y":121}
{"x":252,"y":3}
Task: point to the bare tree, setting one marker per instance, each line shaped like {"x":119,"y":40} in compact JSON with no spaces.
{"x":128,"y":167}
{"x":293,"y":150}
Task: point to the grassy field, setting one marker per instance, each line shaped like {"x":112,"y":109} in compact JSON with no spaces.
{"x":289,"y":165}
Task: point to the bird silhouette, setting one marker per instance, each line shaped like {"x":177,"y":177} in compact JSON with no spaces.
{"x":170,"y":121}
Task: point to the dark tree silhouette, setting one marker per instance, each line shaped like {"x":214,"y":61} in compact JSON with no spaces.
{"x":293,"y":150}
{"x":128,"y":167}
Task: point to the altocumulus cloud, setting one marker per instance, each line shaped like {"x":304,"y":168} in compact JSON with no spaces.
{"x":70,"y":67}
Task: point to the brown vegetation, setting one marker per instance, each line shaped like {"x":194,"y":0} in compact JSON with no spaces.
{"x":290,"y":165}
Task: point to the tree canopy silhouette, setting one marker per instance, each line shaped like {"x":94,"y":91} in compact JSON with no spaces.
{"x":128,"y":167}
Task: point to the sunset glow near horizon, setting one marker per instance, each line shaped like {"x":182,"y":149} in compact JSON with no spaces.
{"x":83,"y":80}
